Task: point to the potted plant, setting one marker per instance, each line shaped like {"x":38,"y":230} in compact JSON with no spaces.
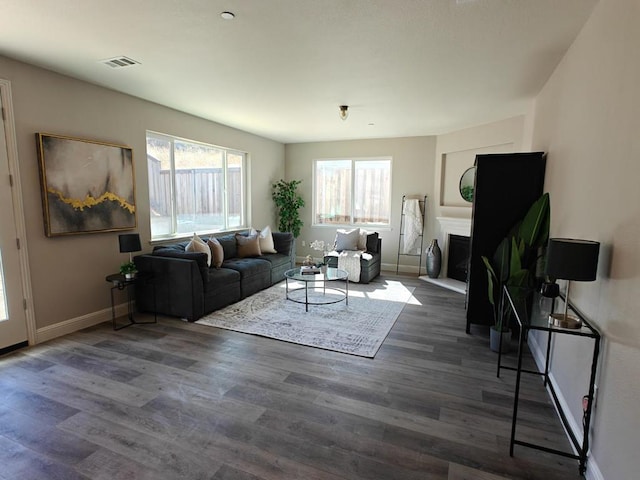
{"x":288,"y":202}
{"x":515,"y":263}
{"x":129,"y":270}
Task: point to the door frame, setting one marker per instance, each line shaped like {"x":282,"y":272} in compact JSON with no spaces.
{"x":18,"y":208}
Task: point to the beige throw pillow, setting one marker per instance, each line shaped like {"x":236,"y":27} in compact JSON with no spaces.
{"x":248,"y":246}
{"x":362,"y":240}
{"x":217,"y":252}
{"x":197,"y":245}
{"x":265,"y":238}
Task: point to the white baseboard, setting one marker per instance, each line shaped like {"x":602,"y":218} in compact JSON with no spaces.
{"x":74,"y":324}
{"x":593,"y":471}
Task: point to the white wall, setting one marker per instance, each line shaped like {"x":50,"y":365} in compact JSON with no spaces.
{"x":413,"y":170}
{"x":588,"y":120}
{"x":68,"y":273}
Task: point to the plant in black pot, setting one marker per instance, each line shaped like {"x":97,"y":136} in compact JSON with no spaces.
{"x":515,"y":263}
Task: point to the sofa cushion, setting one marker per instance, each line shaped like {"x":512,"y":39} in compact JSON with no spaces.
{"x":347,"y":239}
{"x":219,"y":276}
{"x":223,"y":289}
{"x":229,"y":245}
{"x":248,"y":267}
{"x":248,"y":245}
{"x":277,"y":259}
{"x":217,"y":252}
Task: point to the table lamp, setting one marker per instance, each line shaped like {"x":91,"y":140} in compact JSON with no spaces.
{"x":571,"y":259}
{"x":129,"y":242}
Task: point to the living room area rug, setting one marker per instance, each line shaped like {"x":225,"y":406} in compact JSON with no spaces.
{"x":358,"y":328}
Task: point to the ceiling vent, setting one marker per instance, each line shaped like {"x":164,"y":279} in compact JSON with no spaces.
{"x":120,"y":62}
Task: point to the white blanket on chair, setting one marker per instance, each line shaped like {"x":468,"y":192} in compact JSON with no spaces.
{"x":349,"y":261}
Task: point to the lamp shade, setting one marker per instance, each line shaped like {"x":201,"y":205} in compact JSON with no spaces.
{"x":572,"y":259}
{"x":129,"y":242}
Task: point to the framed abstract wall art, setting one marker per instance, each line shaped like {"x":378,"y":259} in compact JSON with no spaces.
{"x":87,"y":186}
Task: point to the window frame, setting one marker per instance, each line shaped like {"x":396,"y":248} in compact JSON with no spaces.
{"x":174,"y":234}
{"x":353,"y":161}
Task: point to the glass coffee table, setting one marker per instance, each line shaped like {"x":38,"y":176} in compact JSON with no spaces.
{"x":329,"y":275}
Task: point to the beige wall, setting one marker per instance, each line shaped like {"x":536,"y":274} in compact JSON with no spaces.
{"x":68,"y":272}
{"x":587,"y":118}
{"x":413,"y":170}
{"x":456,"y":151}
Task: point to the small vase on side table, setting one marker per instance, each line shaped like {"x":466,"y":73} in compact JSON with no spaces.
{"x":434,"y":259}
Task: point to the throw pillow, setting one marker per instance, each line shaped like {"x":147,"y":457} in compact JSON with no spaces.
{"x":265,"y":238}
{"x":248,"y":246}
{"x":347,"y":239}
{"x":217,"y":252}
{"x":197,"y":245}
{"x":362,"y":240}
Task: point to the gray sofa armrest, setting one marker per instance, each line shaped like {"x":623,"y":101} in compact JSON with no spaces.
{"x":284,"y":243}
{"x":177,"y":251}
{"x":176,"y":287}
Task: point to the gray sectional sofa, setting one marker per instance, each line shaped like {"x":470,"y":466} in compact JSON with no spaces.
{"x":184,"y":286}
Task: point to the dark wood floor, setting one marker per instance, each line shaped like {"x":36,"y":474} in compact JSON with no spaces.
{"x":179,"y":400}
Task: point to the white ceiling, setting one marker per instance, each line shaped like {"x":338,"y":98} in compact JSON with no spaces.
{"x":281,"y":67}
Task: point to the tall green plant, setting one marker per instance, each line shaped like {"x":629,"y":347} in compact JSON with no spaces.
{"x":288,"y":201}
{"x":516,"y":258}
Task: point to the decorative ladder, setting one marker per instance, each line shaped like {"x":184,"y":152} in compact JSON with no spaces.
{"x":423,"y":209}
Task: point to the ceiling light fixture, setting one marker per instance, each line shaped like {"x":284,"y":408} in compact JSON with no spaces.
{"x":344,"y":111}
{"x":120,"y":62}
{"x":228,"y":15}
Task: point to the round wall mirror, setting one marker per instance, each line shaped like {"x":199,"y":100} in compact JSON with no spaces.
{"x":467,"y":181}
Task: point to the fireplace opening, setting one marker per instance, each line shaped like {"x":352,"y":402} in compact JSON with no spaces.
{"x":458,"y":259}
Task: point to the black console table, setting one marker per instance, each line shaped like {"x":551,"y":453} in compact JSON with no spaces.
{"x":515,"y":300}
{"x":120,"y":282}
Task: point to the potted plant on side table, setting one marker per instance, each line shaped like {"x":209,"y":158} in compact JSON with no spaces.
{"x":129,"y":270}
{"x":515,"y":263}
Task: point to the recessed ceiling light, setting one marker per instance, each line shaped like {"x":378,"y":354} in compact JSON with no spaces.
{"x":228,"y":15}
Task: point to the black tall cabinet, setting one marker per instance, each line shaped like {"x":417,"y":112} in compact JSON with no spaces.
{"x":506,"y":185}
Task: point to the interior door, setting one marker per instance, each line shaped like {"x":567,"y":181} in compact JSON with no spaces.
{"x":13,"y":323}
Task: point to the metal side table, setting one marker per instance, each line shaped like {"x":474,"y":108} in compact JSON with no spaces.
{"x":516,"y":300}
{"x":119,"y":282}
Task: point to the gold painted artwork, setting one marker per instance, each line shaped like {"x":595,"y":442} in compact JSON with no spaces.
{"x":90,"y":201}
{"x":87,"y":186}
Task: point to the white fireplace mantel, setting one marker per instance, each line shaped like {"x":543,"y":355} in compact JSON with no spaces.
{"x":450,"y":226}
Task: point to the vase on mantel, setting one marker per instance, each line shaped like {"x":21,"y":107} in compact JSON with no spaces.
{"x":434,"y":259}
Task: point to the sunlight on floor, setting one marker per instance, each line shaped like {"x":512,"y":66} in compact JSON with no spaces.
{"x":388,"y":290}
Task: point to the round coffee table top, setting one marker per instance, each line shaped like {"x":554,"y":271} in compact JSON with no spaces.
{"x":330,"y":274}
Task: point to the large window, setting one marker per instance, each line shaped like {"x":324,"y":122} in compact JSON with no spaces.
{"x":352,"y":191}
{"x":194,"y":187}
